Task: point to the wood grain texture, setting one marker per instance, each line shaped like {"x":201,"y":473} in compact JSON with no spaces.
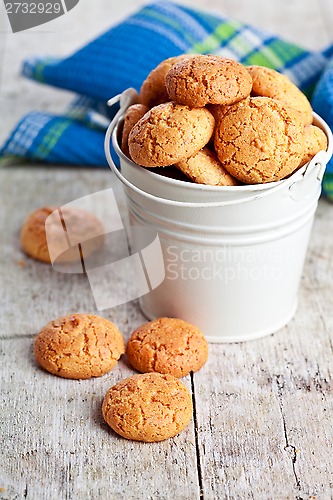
{"x":307,"y":23}
{"x":264,"y":408}
{"x":56,"y":445}
{"x":40,"y":292}
{"x":326,"y":8}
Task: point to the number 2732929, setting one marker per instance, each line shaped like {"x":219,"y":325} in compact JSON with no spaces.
{"x":33,"y":8}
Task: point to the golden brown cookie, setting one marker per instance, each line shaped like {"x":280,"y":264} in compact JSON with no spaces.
{"x":150,"y":407}
{"x":205,"y":168}
{"x":167,"y":345}
{"x":83,"y":226}
{"x":79,"y":346}
{"x":315,"y":140}
{"x":153,"y":91}
{"x":169,"y":133}
{"x":219,"y":110}
{"x":269,"y":83}
{"x":207,"y":79}
{"x":260,"y":140}
{"x":133,"y":114}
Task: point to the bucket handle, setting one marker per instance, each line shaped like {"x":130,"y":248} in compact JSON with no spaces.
{"x":127,"y":98}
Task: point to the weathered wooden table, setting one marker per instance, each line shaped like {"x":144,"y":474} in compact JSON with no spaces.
{"x":262,"y":423}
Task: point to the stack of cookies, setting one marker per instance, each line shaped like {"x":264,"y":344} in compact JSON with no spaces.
{"x":221,"y":123}
{"x":151,"y":406}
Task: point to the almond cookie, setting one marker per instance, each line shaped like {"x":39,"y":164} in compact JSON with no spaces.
{"x":150,"y":407}
{"x":169,"y":133}
{"x":83,"y":225}
{"x":207,"y":79}
{"x":260,"y":140}
{"x":315,"y":140}
{"x":220,"y":110}
{"x":153,"y":90}
{"x":269,"y":83}
{"x":79,"y":346}
{"x":133,"y":114}
{"x":205,"y":168}
{"x":167,"y":345}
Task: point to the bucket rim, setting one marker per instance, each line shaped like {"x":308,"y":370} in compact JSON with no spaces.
{"x":318,"y":121}
{"x":118,"y":119}
{"x":259,"y":190}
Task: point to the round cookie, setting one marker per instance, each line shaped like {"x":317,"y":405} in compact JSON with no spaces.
{"x":267,"y":82}
{"x":83,"y":227}
{"x":169,"y":133}
{"x":153,"y":90}
{"x":315,"y":140}
{"x":220,"y":110}
{"x":79,"y":346}
{"x":205,"y":168}
{"x":167,"y":345}
{"x":133,"y":114}
{"x":150,"y":407}
{"x":260,"y":140}
{"x":207,"y":79}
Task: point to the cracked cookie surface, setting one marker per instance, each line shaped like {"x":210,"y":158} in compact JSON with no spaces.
{"x":149,"y":407}
{"x":207,"y":79}
{"x":267,"y":82}
{"x":169,"y":133}
{"x":133,"y":114}
{"x":260,"y":140}
{"x":79,"y":346}
{"x":153,"y":90}
{"x":83,"y":226}
{"x":205,"y":168}
{"x":167,"y":345}
{"x":315,"y":140}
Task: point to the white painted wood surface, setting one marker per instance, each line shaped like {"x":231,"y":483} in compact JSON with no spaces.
{"x":262,"y":426}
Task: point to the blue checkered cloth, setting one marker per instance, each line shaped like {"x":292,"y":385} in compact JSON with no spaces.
{"x":123,"y":56}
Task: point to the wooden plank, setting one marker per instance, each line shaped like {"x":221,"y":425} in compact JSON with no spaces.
{"x":58,"y":446}
{"x":264,"y":408}
{"x":58,"y":38}
{"x":298,"y":21}
{"x":326,"y":8}
{"x":55,"y":443}
{"x":32,"y":292}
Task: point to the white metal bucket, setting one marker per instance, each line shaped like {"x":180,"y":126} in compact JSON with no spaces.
{"x":233,"y":255}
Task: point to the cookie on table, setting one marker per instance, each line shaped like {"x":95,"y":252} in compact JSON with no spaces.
{"x":169,"y":133}
{"x":79,"y":346}
{"x":205,"y":168}
{"x":167,"y":345}
{"x":260,"y":140}
{"x":83,"y":227}
{"x":150,"y":407}
{"x":207,"y":79}
{"x":315,"y":140}
{"x":153,"y":90}
{"x":267,"y":82}
{"x":133,"y":114}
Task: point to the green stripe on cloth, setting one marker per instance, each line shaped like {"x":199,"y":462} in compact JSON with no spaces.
{"x":266,"y":57}
{"x":328,"y":185}
{"x":240,"y":46}
{"x":221,"y":34}
{"x":170,"y":22}
{"x":51,"y":138}
{"x":285,"y":51}
{"x":39,"y":71}
{"x":40,"y":66}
